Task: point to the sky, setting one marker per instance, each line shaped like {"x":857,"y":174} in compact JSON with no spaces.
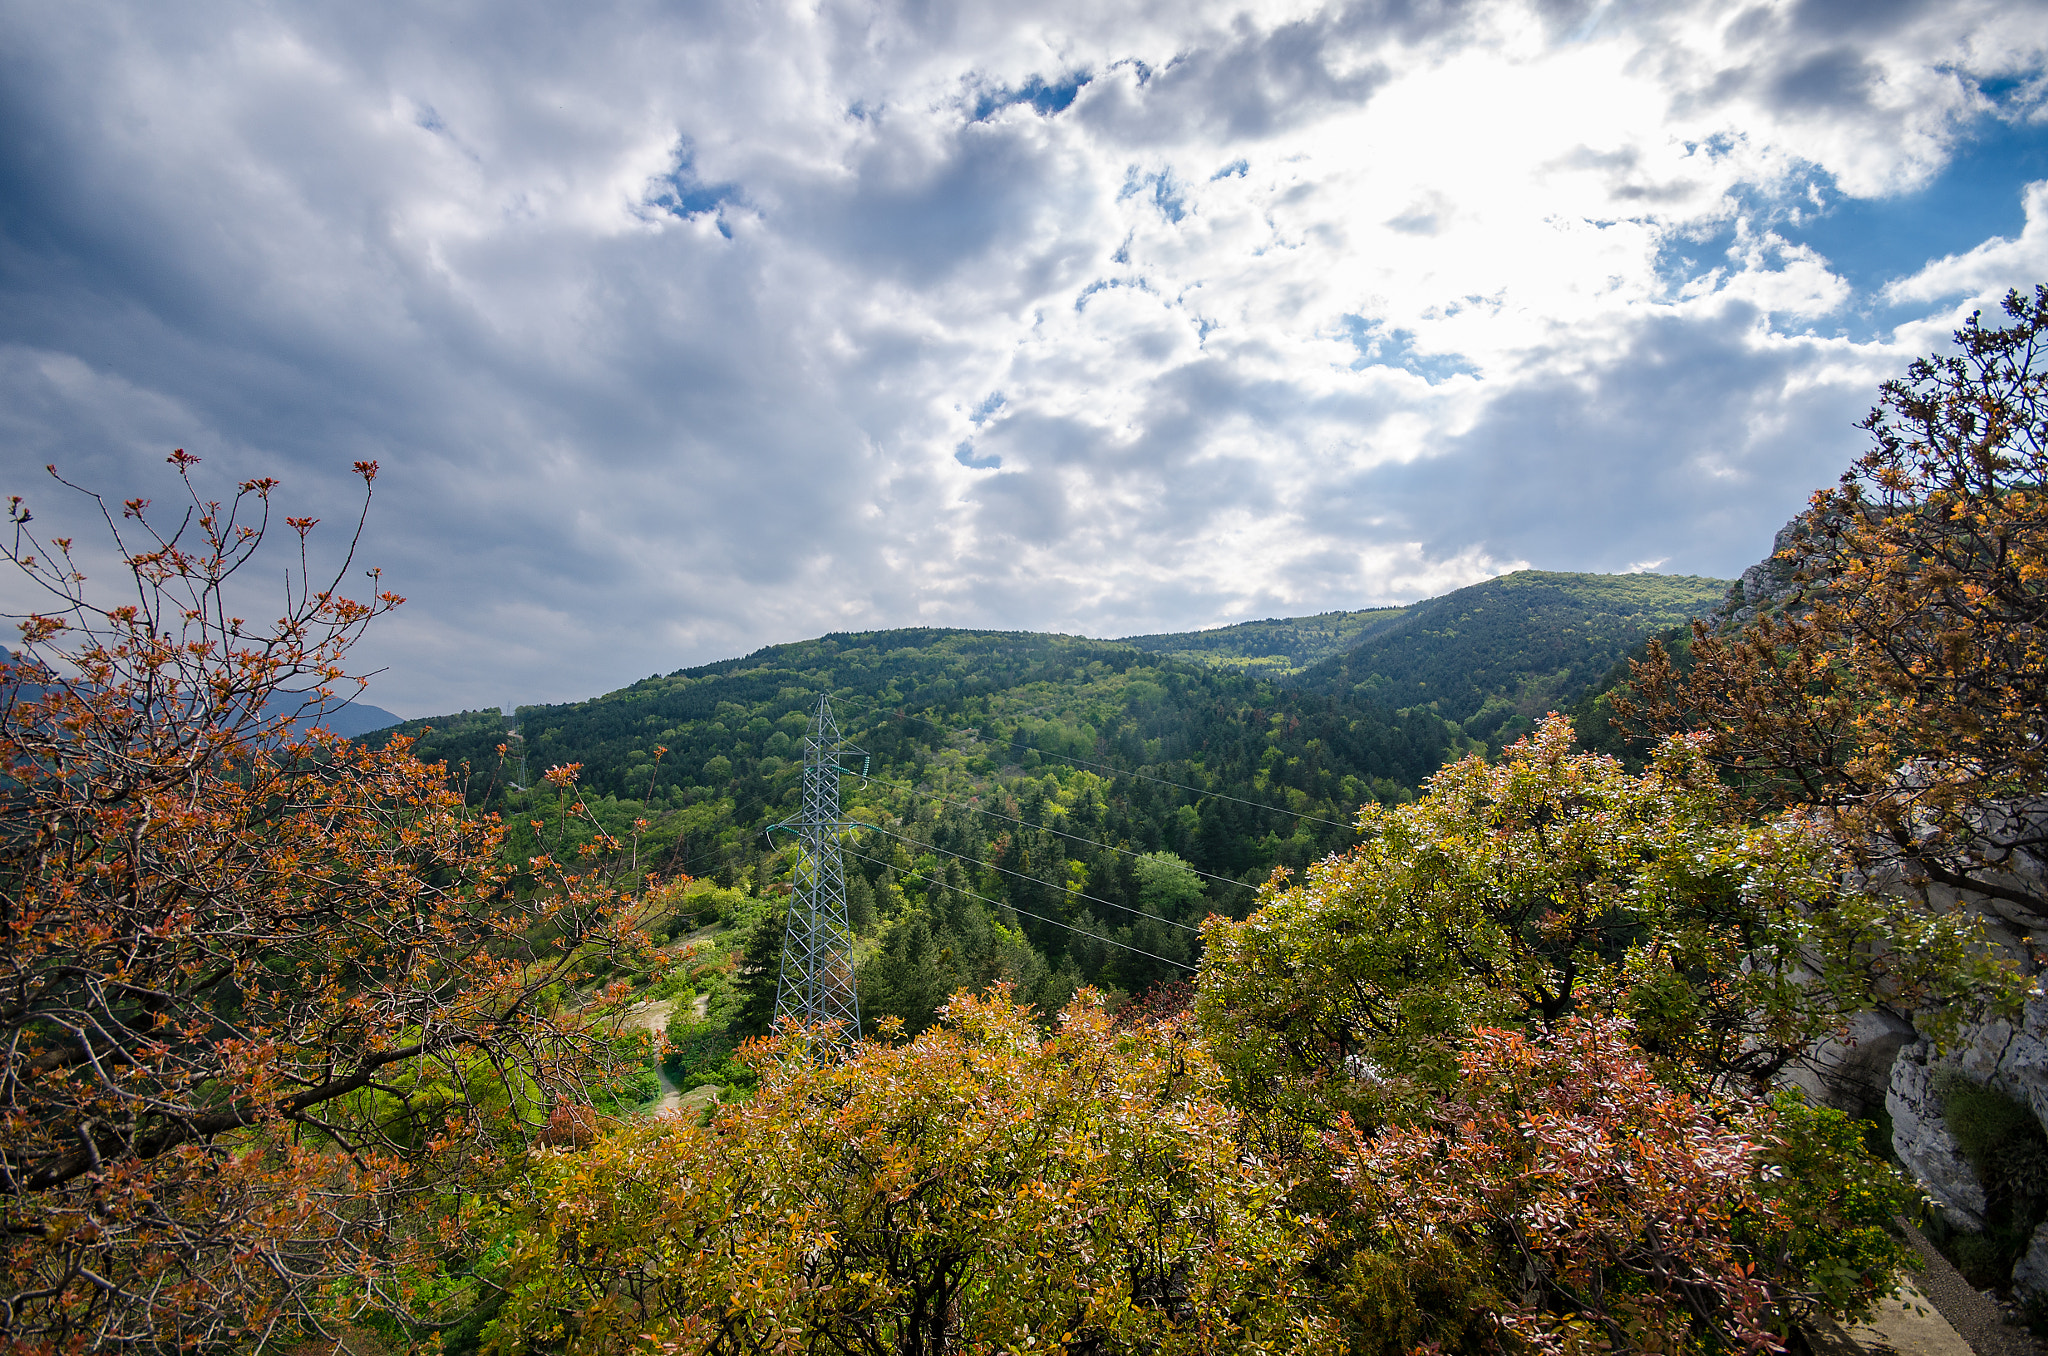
{"x":682,"y":329}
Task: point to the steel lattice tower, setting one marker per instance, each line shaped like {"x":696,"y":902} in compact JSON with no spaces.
{"x":816,"y":984}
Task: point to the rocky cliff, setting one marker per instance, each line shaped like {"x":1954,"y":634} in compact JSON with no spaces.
{"x":1886,"y":1063}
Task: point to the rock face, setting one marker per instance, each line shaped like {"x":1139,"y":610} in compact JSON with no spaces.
{"x":1883,"y":1059}
{"x":2012,"y":1058}
{"x":1765,"y":585}
{"x":2030,"y":1274}
{"x":2008,"y":1056}
{"x":1922,"y":1140}
{"x":1853,"y":1073}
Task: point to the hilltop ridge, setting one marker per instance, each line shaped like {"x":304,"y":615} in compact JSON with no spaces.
{"x":1495,"y":656}
{"x":1275,"y":646}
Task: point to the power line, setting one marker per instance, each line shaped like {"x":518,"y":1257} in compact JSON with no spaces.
{"x":1004,"y":904}
{"x":1046,"y":828}
{"x":930,"y":847}
{"x":877,"y":709}
{"x":717,"y":849}
{"x":1126,"y":772}
{"x":1200,"y":791}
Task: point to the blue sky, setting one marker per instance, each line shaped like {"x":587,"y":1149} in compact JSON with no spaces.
{"x":680,"y":329}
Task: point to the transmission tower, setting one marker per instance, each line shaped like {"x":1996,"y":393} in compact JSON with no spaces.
{"x":816,"y":985}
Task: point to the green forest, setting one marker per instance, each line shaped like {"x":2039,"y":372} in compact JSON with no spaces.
{"x":1496,"y":656}
{"x":1354,"y":1003}
{"x":1277,"y":646}
{"x":1043,"y":811}
{"x":1046,"y":811}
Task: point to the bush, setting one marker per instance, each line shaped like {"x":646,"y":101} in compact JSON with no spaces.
{"x":1835,"y":1202}
{"x":1558,"y":1197}
{"x":2009,"y":1153}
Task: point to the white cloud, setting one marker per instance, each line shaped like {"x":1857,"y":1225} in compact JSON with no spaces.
{"x":1988,"y":270}
{"x":682,"y":334}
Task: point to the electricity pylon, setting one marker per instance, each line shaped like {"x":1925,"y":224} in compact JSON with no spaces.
{"x":816,"y":984}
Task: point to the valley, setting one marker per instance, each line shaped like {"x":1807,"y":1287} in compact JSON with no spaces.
{"x":1039,"y":810}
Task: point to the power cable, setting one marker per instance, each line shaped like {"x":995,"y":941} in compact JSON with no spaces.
{"x":1200,"y":791}
{"x":1045,"y":828}
{"x":877,"y":709}
{"x":929,"y":847}
{"x":996,"y":814}
{"x":1004,"y":904}
{"x":716,"y":848}
{"x":1126,"y":772}
{"x":751,"y":801}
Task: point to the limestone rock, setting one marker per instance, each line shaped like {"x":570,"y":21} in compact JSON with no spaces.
{"x":2030,"y":1273}
{"x":1770,"y":585}
{"x":2011,"y":1058}
{"x":1852,"y":1072}
{"x":1923,"y":1143}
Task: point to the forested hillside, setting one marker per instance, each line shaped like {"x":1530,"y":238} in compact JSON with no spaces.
{"x":1203,"y":1011}
{"x":1494,"y":657}
{"x":1277,"y":646}
{"x":1043,"y":810}
{"x":1047,"y":810}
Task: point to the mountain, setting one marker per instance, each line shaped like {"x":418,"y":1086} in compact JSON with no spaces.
{"x":348,"y":721}
{"x":967,"y":705}
{"x":1277,"y":646}
{"x":359,"y":718}
{"x":1042,"y":810}
{"x":1495,"y":656}
{"x":1765,"y":587}
{"x":1019,"y":789}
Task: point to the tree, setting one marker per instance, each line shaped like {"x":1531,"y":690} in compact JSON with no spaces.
{"x":260,"y":990}
{"x":982,"y":1187}
{"x":1547,"y":885}
{"x":1168,"y":886}
{"x":1902,"y":692}
{"x":1558,"y":1197}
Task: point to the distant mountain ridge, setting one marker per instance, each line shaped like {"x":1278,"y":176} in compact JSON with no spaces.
{"x":357,"y":718}
{"x":1276,"y":646}
{"x":1485,"y":660}
{"x":1497,"y":655}
{"x":348,"y":720}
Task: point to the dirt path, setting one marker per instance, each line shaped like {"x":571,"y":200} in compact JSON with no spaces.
{"x":1975,"y":1316}
{"x":1938,"y":1315}
{"x":652,"y":1016}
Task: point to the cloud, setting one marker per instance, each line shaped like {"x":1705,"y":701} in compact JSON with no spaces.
{"x":1836,"y":80}
{"x":1990,"y":269}
{"x":682,"y":332}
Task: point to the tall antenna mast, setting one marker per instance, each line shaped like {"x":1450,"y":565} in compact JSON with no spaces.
{"x":816,"y":984}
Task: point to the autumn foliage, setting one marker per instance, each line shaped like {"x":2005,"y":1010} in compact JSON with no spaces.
{"x":261,"y":991}
{"x":1581,"y":1205}
{"x":291,"y":1045}
{"x":1550,"y":884}
{"x":986,"y":1186}
{"x":1901,"y":691}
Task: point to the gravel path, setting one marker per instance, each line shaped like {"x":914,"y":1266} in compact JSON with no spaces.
{"x":1973,"y":1315}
